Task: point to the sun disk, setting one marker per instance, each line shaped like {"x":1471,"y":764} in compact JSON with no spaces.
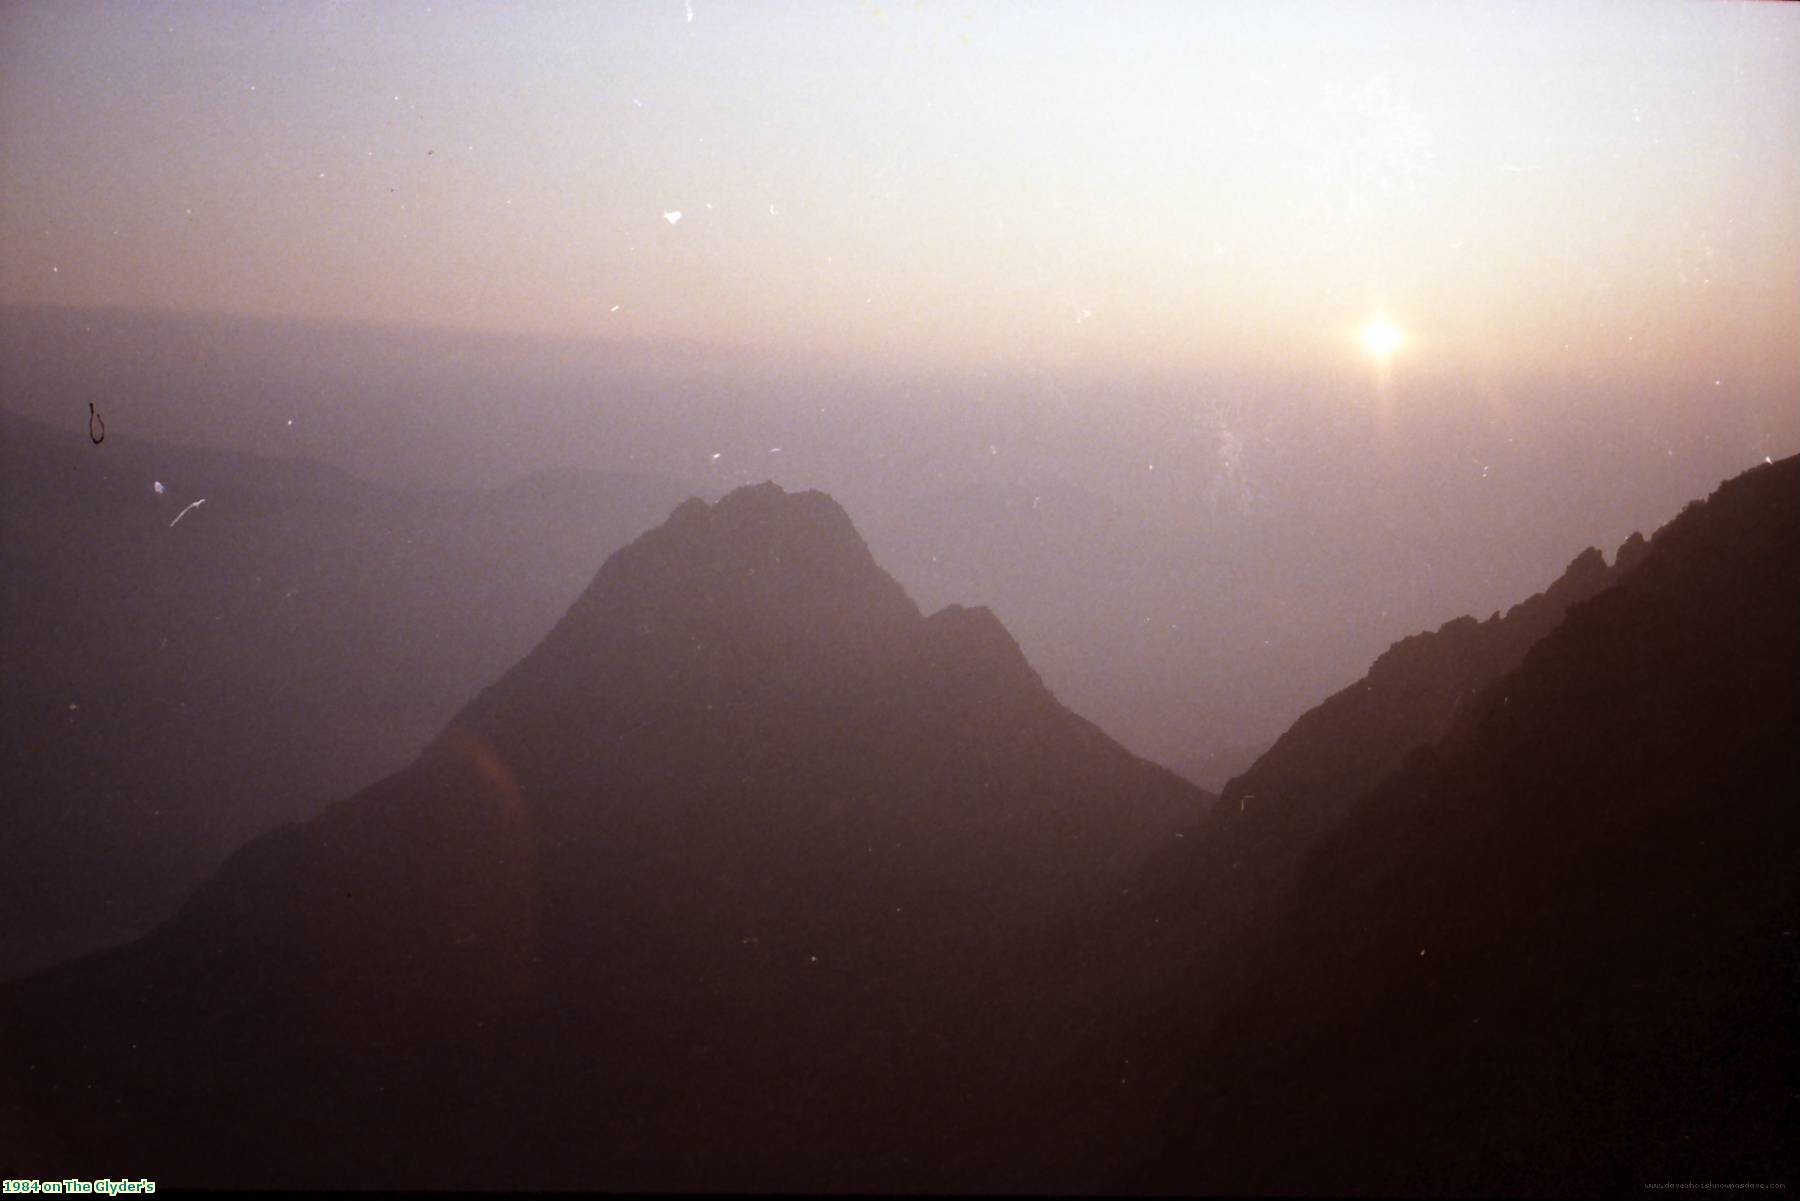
{"x":1382,"y":338}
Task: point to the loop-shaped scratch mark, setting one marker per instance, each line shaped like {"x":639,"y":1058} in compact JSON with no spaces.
{"x":93,"y":418}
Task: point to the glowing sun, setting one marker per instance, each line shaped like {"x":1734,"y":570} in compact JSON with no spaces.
{"x":1381,"y":338}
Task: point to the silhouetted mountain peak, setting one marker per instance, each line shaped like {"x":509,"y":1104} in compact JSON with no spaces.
{"x":746,"y":847}
{"x":759,"y":578}
{"x":755,"y":540}
{"x":972,"y":640}
{"x":1585,"y":575}
{"x":763,"y":594}
{"x":1631,"y":551}
{"x":808,"y":532}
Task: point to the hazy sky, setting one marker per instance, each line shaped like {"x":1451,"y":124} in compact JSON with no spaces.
{"x":1170,"y":186}
{"x":951,"y":262}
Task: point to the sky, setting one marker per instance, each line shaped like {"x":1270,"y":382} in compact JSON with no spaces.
{"x":1217,"y":346}
{"x":1173,"y":187}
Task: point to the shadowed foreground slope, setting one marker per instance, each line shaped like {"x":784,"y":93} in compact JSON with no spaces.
{"x":1554,"y":953}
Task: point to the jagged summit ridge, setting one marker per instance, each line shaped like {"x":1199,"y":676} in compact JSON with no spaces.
{"x":809,"y":520}
{"x":753,"y":536}
{"x":763,"y":589}
{"x":758,"y":556}
{"x":1413,"y":691}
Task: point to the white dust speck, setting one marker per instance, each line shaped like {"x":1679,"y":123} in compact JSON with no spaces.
{"x":157,"y":484}
{"x":672,"y":216}
{"x":185,"y":511}
{"x":614,"y":309}
{"x":690,"y":11}
{"x":716,"y":455}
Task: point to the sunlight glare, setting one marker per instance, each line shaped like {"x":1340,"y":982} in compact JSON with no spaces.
{"x":1381,"y":338}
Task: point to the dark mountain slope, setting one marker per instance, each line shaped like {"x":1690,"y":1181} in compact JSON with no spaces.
{"x":1300,"y":788}
{"x":1556,"y":952}
{"x":748,"y":877}
{"x":1178,"y":931}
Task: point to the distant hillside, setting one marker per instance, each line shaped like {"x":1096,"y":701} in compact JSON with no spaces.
{"x":180,"y":679}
